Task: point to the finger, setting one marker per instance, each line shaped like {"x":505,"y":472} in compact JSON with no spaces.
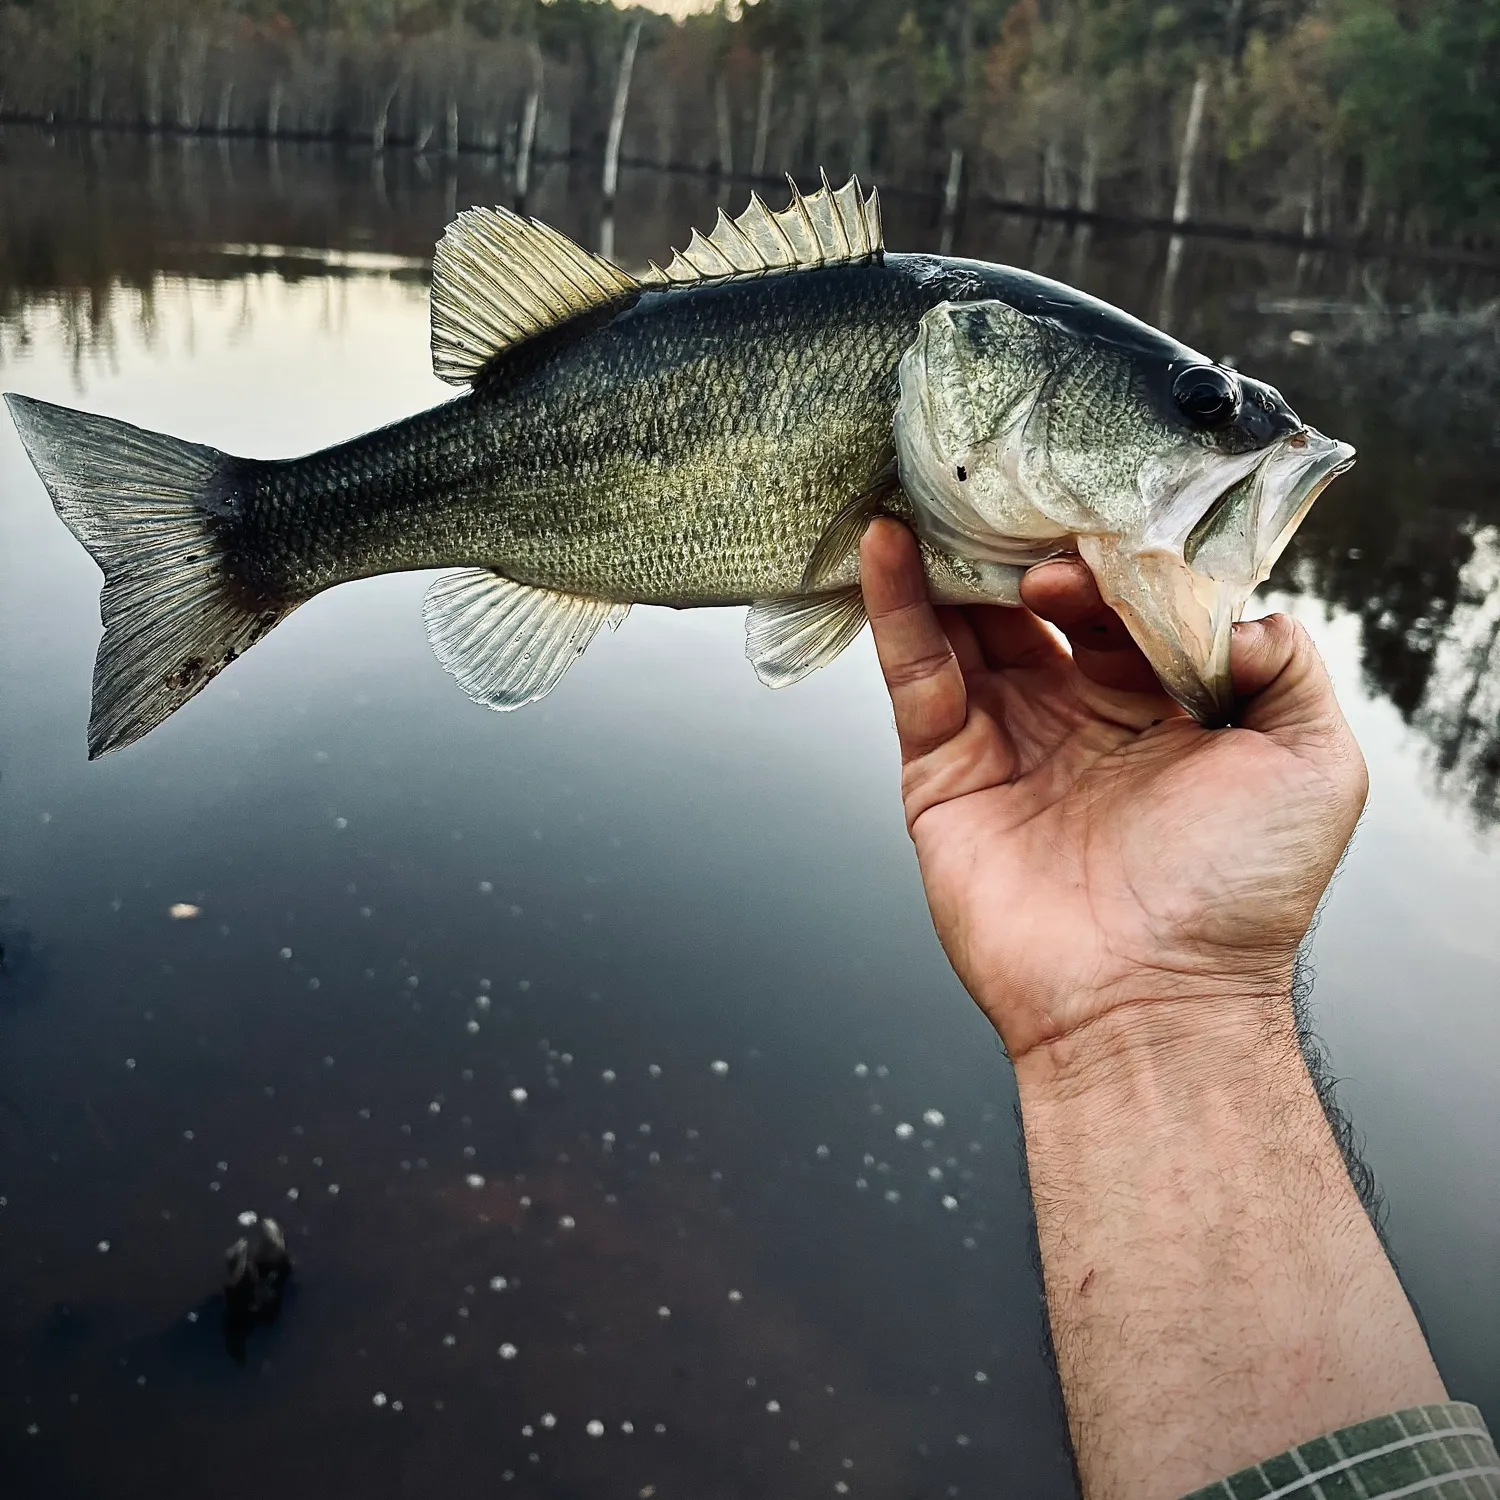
{"x":1063,"y":592}
{"x":954,"y":620}
{"x":921,"y":672}
{"x":1283,"y":687}
{"x":1013,"y":638}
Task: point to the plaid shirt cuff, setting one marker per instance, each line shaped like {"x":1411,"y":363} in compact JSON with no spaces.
{"x":1436,"y":1452}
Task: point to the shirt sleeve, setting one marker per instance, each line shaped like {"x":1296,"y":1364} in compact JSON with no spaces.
{"x":1440,"y":1452}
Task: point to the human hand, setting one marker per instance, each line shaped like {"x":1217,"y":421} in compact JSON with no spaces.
{"x":1084,"y":843}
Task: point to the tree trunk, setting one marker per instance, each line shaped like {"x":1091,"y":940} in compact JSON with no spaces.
{"x":381,"y":127}
{"x":617,"y":116}
{"x":153,"y":83}
{"x":763,"y":113}
{"x":723,"y":127}
{"x":859,"y":108}
{"x":526,"y":142}
{"x":1088,"y":171}
{"x":951,"y":190}
{"x":1192,"y":134}
{"x":451,"y":136}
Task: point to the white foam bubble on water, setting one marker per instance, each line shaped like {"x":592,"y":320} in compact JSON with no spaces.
{"x":736,"y":1296}
{"x":949,"y":1202}
{"x":498,"y":1283}
{"x":935,"y":1118}
{"x":249,"y":1217}
{"x":474,"y":1180}
{"x":507,"y":1351}
{"x":719,"y":1066}
{"x":663,"y":1312}
{"x":566,"y":1222}
{"x":548,"y":1420}
{"x":595,"y":1428}
{"x":519,"y":1095}
{"x":378,"y":1399}
{"x":773,"y":1407}
{"x":905,"y":1131}
{"x":861,"y":1070}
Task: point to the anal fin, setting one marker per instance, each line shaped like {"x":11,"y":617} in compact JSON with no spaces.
{"x":506,"y":643}
{"x":789,"y":637}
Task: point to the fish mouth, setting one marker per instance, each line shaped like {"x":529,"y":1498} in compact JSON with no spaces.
{"x":1181,"y":596}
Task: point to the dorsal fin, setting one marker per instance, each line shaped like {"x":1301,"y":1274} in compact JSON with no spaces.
{"x":829,"y":228}
{"x":498,"y":279}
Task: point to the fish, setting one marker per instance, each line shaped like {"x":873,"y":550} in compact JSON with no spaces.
{"x":716,"y":431}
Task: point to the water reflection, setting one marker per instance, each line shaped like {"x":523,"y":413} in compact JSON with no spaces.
{"x":1402,"y":543}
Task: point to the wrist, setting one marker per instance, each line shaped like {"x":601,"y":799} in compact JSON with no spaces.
{"x":1073,"y":1026}
{"x":1146,"y":1049}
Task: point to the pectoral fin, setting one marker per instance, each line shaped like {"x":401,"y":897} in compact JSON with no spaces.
{"x":845,"y":530}
{"x":787,"y":638}
{"x":508,"y":644}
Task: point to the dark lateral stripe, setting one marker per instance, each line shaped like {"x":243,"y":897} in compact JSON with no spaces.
{"x":1442,"y":1452}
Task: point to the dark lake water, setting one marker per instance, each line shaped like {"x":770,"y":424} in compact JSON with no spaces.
{"x":572,"y":1047}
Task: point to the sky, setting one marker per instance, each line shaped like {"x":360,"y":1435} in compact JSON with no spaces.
{"x":671,"y":7}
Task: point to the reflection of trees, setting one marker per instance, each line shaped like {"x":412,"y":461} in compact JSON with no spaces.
{"x":1407,"y":542}
{"x":1461,"y":712}
{"x":1410,"y":541}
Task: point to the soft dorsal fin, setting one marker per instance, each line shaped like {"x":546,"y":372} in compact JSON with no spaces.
{"x":498,"y":279}
{"x":831,"y":227}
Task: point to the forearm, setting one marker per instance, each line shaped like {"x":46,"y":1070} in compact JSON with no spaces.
{"x":1216,"y":1291}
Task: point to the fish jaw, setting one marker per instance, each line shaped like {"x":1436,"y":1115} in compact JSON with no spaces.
{"x":1180,"y":596}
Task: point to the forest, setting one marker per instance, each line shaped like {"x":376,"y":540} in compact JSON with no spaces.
{"x":1372,"y":121}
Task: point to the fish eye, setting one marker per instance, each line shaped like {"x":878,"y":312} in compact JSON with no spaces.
{"x":1207,"y":396}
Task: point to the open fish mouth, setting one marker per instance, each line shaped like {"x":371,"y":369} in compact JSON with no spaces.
{"x":1181,"y":596}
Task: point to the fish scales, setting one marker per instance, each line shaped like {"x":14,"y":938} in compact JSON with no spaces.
{"x":690,"y":449}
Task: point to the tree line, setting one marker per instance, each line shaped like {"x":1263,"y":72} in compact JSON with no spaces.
{"x":1360,"y":119}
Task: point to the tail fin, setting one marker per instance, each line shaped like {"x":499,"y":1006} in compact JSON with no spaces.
{"x":154,"y":513}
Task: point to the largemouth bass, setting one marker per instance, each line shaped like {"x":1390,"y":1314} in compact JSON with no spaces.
{"x":718,"y":431}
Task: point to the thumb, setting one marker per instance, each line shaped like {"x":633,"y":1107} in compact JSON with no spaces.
{"x":1283,"y":687}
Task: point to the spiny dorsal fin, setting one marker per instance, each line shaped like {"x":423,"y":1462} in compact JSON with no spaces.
{"x":832,"y":227}
{"x":498,"y":279}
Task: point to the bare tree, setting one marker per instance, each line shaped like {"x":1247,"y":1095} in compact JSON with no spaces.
{"x":526,"y":141}
{"x":763,"y":112}
{"x":1192,"y":134}
{"x":617,"y":115}
{"x":723,"y":126}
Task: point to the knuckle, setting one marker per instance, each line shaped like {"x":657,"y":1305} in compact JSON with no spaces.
{"x":918,"y":670}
